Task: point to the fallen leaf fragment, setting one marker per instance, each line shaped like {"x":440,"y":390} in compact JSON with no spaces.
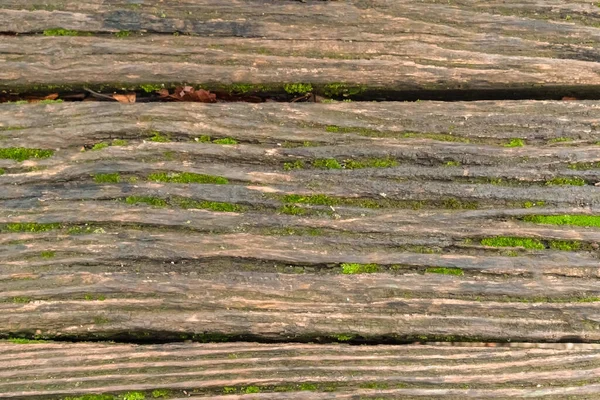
{"x":125,"y":98}
{"x":188,"y":93}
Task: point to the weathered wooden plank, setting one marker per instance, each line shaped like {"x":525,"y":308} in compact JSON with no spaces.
{"x":379,"y":47}
{"x":297,"y":371}
{"x":85,"y":256}
{"x":196,"y":305}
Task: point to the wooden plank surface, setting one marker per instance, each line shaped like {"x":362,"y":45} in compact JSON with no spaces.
{"x":402,"y":240}
{"x":380,"y":47}
{"x":298,"y":371}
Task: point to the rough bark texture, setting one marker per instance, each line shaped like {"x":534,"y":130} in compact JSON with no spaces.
{"x":382,"y":46}
{"x":272,"y":268}
{"x":299,"y":371}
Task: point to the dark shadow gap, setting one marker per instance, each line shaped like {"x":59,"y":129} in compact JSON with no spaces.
{"x":261,"y":93}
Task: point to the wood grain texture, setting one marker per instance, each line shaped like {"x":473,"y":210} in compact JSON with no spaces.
{"x":272,"y":268}
{"x":299,"y":371}
{"x":383,"y":46}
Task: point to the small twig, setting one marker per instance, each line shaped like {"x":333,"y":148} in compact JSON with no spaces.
{"x":99,"y":95}
{"x":304,"y":97}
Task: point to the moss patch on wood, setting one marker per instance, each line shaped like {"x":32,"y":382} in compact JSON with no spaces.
{"x":150,"y":200}
{"x":65,"y":32}
{"x":107,"y":178}
{"x":297,"y":88}
{"x":515,"y":143}
{"x":440,"y":137}
{"x":353,"y":268}
{"x":327,"y":163}
{"x":585,"y":165}
{"x":207,"y":205}
{"x":509,"y":241}
{"x":158,"y":137}
{"x":186,"y":177}
{"x":573,"y":181}
{"x":21,"y":153}
{"x":575,"y":220}
{"x":208,"y":139}
{"x":29,"y":227}
{"x":445,"y":271}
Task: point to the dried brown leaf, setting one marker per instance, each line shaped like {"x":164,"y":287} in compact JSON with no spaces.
{"x":125,"y":98}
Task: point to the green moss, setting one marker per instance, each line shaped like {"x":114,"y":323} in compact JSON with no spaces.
{"x":344,"y":337}
{"x":509,"y":241}
{"x":160,"y":393}
{"x":452,"y":164}
{"x":530,"y":204}
{"x":456,"y":204}
{"x":100,"y":320}
{"x":585,"y":165}
{"x":375,"y":385}
{"x":352,"y":268}
{"x":100,"y":146}
{"x":316,"y":199}
{"x":22,"y":153}
{"x":298,"y":88}
{"x":229,"y":390}
{"x":292,"y":210}
{"x":357,"y":130}
{"x":123,"y":34}
{"x":244,"y":88}
{"x":91,"y":297}
{"x":574,"y":181}
{"x":225,"y":141}
{"x":48,"y":254}
{"x":21,"y":300}
{"x":560,"y":140}
{"x":92,"y":397}
{"x":65,"y":32}
{"x":339,"y":89}
{"x":565,"y":245}
{"x":186,"y":177}
{"x":159,"y":137}
{"x":153,"y":201}
{"x":308,"y":386}
{"x":81,"y":230}
{"x":107,"y":178}
{"x":251,"y":389}
{"x":575,"y":220}
{"x":204,"y":139}
{"x":2,"y":171}
{"x":119,"y":142}
{"x":445,"y":271}
{"x":295,"y":165}
{"x":134,"y":396}
{"x":515,"y":143}
{"x":50,"y":101}
{"x":26,"y":341}
{"x":370,"y":163}
{"x":29,"y":227}
{"x":207,"y":205}
{"x":328,"y":163}
{"x":294,"y":145}
{"x":440,"y":137}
